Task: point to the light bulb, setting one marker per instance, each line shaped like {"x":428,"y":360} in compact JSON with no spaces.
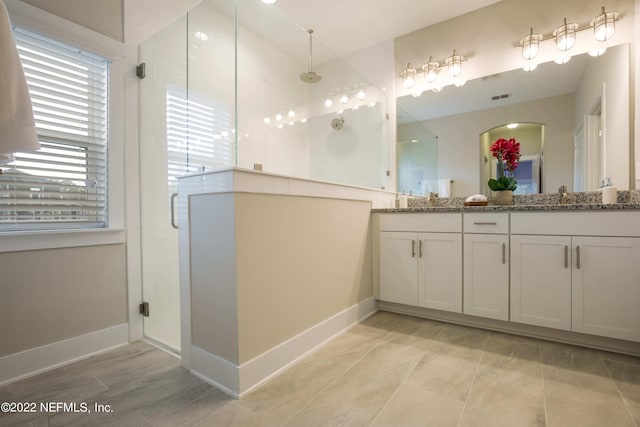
{"x":530,"y":45}
{"x":408,"y":76}
{"x":565,"y":36}
{"x":562,"y":60}
{"x":604,"y":25}
{"x":361,"y":94}
{"x":328,"y":102}
{"x":267,"y":120}
{"x":344,"y":99}
{"x":454,"y":62}
{"x":291,"y":114}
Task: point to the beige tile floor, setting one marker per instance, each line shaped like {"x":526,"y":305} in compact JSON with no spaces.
{"x":391,"y":370}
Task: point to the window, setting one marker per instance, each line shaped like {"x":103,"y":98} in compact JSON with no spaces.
{"x":64,"y":184}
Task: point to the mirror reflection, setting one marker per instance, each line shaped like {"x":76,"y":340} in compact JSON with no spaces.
{"x":583,"y":106}
{"x":529,"y":170}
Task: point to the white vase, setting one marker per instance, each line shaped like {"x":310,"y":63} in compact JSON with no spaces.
{"x":504,"y":197}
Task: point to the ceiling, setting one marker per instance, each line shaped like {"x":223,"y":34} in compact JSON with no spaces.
{"x":345,"y":26}
{"x":340,"y":26}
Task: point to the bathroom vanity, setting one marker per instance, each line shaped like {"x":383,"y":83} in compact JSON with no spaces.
{"x":563,"y":272}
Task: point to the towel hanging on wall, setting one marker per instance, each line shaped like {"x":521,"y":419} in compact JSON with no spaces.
{"x":17,"y":127}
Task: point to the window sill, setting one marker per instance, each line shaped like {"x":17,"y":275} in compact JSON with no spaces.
{"x":54,"y":239}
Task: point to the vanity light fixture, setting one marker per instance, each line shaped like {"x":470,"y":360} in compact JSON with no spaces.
{"x":530,"y":45}
{"x":454,"y":63}
{"x":361,"y":94}
{"x":431,"y":69}
{"x":565,"y":36}
{"x":604,"y":25}
{"x":408,"y":76}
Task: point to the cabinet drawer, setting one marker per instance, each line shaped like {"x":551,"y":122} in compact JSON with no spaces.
{"x":488,"y":223}
{"x":622,"y":223}
{"x":422,"y":222}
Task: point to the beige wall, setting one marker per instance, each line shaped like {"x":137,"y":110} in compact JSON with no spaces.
{"x":459,"y":141}
{"x":300,"y":260}
{"x":103,"y":16}
{"x":51,"y":295}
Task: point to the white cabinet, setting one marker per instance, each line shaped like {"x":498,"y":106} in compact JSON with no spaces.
{"x":606,"y":286}
{"x":422,"y":269}
{"x":486,"y":275}
{"x":421,"y":260}
{"x":440,"y":271}
{"x":486,"y":265}
{"x":398,"y":267}
{"x":576,"y":280}
{"x":541,"y":281}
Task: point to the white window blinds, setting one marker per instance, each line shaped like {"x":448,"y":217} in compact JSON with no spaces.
{"x":64,"y":184}
{"x":199,"y":135}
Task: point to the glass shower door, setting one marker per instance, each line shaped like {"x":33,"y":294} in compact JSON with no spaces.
{"x":163,"y":94}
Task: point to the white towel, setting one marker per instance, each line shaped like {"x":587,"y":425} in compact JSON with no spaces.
{"x":17,"y":127}
{"x":444,"y":187}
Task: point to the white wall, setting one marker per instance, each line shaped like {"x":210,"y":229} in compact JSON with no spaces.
{"x":459,"y":141}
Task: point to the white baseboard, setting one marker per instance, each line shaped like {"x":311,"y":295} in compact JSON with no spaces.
{"x":237,"y":381}
{"x":17,"y":366}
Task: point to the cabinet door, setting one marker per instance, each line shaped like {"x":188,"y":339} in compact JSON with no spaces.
{"x":486,"y":275}
{"x":440,"y":271}
{"x":541,"y":280}
{"x":606,"y":286}
{"x":398,"y":267}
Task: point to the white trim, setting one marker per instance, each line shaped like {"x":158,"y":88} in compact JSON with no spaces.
{"x":237,"y":381}
{"x":55,"y":239}
{"x":214,"y":370}
{"x":37,"y":360}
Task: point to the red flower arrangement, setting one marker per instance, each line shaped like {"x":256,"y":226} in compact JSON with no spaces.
{"x":508,"y":154}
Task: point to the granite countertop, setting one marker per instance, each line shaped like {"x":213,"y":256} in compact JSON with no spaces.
{"x":516,"y":208}
{"x":581,"y":201}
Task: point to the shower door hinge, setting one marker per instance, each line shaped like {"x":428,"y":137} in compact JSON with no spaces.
{"x":141,"y":70}
{"x":144,"y":309}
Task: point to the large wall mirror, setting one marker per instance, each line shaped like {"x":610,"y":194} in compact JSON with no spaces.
{"x":582,"y":107}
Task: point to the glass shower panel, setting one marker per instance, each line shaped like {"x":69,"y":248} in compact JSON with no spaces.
{"x":332,"y":130}
{"x":211,"y":85}
{"x":163,"y":157}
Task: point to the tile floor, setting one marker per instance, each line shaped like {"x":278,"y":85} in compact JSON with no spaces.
{"x":391,"y":370}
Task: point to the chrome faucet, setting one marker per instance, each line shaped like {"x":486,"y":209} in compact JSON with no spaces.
{"x":563,"y":194}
